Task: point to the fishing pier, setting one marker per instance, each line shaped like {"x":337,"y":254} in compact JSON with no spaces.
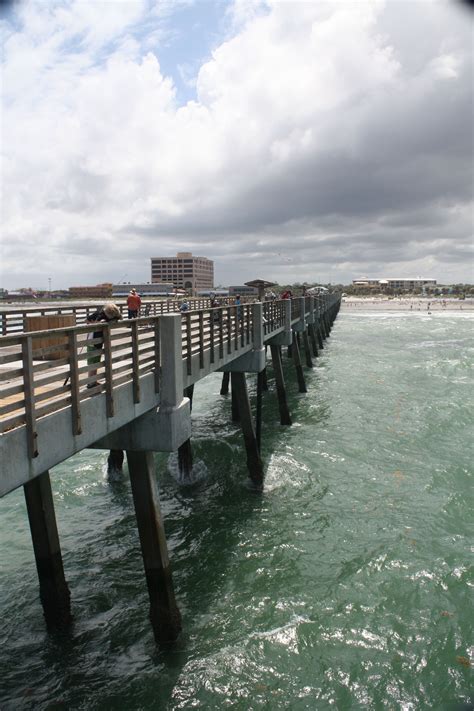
{"x":137,"y":400}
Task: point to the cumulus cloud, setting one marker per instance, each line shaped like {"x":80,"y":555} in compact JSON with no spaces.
{"x":321,"y":143}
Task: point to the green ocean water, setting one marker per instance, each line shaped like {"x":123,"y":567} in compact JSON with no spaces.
{"x":347,"y":584}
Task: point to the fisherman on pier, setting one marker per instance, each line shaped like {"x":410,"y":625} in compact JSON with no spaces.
{"x":109,"y":313}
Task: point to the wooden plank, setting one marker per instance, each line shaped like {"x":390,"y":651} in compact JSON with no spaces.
{"x":188,"y":344}
{"x":10,"y":357}
{"x":157,"y":355}
{"x":28,"y":379}
{"x":11,"y":390}
{"x":229,"y":331}
{"x":109,"y":394}
{"x":74,"y":383}
{"x":40,"y":367}
{"x":201,"y":340}
{"x":12,"y":406}
{"x":60,"y":404}
{"x":55,"y":377}
{"x":12,"y":423}
{"x":211,"y":336}
{"x":221,"y":333}
{"x":135,"y":361}
{"x":122,"y":368}
{"x":50,"y":393}
{"x":237,"y":327}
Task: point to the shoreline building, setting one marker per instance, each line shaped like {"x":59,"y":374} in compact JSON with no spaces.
{"x":403,"y":283}
{"x":99,"y":291}
{"x":184,"y":271}
{"x":144,"y":290}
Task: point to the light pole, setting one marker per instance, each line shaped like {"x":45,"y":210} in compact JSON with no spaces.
{"x":49,"y":285}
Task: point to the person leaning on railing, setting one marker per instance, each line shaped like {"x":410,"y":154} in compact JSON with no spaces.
{"x":109,"y":313}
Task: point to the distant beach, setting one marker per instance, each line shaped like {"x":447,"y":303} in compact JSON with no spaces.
{"x":406,"y":304}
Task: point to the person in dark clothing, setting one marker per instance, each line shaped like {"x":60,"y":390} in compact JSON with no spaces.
{"x":109,"y":313}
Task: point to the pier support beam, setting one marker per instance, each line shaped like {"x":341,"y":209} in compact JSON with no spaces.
{"x":189,"y":393}
{"x":307,"y":349}
{"x":54,"y":591}
{"x":254,"y":463}
{"x":234,"y":405}
{"x":164,"y":614}
{"x":185,"y":450}
{"x":324,"y":325}
{"x":312,"y":336}
{"x":298,"y":367}
{"x":225,"y":383}
{"x":258,"y":416}
{"x":327,"y":326}
{"x":319,"y":333}
{"x":185,"y":461}
{"x":311,"y":320}
{"x":114,"y":463}
{"x":285,"y":417}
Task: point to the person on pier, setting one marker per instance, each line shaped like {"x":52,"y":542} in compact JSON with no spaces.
{"x":215,"y":305}
{"x":109,"y":313}
{"x":133,"y":303}
{"x":238,"y":303}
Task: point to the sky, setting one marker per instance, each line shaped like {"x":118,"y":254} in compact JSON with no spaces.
{"x":316,"y":141}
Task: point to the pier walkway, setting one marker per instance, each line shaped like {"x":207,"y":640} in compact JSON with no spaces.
{"x":53,"y":404}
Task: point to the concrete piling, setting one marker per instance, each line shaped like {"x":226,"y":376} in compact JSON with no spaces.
{"x":54,"y":591}
{"x":298,"y":367}
{"x":114,"y":463}
{"x":225,"y":383}
{"x":312,"y":336}
{"x":307,"y":349}
{"x":285,"y":417}
{"x":164,"y":613}
{"x":185,"y":461}
{"x":254,"y":463}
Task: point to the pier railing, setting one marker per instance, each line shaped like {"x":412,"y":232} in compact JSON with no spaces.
{"x":50,"y":372}
{"x":16,"y":320}
{"x":45,"y":371}
{"x":220,"y":330}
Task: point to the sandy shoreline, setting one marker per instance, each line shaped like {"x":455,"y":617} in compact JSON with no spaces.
{"x":353,"y":303}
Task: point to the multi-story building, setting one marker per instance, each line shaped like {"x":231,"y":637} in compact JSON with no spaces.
{"x":243,"y":290}
{"x":145,"y":290}
{"x":184,"y":271}
{"x":403,"y":283}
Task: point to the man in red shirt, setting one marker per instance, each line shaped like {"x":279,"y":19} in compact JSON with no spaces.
{"x":133,"y":304}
